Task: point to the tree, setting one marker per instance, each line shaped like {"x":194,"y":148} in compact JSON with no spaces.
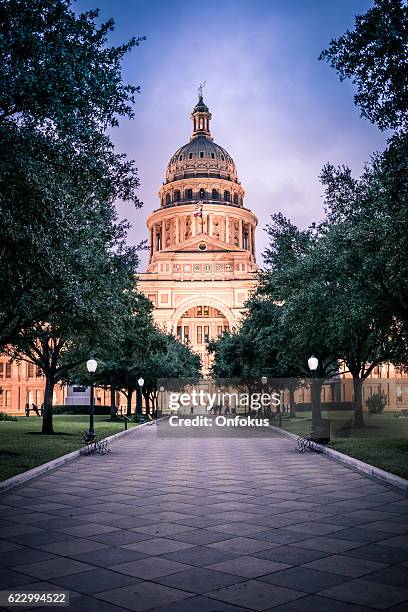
{"x":61,"y":89}
{"x":375,"y":56}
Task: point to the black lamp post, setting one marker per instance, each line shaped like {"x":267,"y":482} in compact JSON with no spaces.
{"x":313,"y":364}
{"x":91,"y":366}
{"x":140,"y":384}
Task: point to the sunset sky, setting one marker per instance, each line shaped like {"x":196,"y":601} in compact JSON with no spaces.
{"x":279,"y":112}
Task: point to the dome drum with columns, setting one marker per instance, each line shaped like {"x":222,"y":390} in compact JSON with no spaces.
{"x":202,"y":264}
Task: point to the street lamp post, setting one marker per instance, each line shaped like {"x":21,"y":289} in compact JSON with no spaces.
{"x":264,"y":381}
{"x":313,"y":364}
{"x":140,"y":384}
{"x":91,"y":366}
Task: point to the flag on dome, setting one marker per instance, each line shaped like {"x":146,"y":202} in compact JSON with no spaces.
{"x":198,"y":210}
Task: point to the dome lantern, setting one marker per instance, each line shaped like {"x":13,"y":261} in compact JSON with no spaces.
{"x":201,"y":116}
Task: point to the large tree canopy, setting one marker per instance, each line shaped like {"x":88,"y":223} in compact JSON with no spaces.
{"x":375,"y":57}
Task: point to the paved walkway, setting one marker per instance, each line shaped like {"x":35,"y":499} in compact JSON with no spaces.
{"x":194,"y":525}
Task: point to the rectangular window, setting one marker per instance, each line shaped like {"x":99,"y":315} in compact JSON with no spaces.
{"x":212,"y":155}
{"x":199,"y":334}
{"x":38,"y":372}
{"x":219,"y":330}
{"x":179,"y":332}
{"x":30,"y":370}
{"x":206,"y":333}
{"x":201,"y":154}
{"x":1,"y":398}
{"x":186,"y":333}
{"x":1,"y":370}
{"x":206,"y":311}
{"x":8,"y":398}
{"x":190,"y":156}
{"x":199,"y":311}
{"x":226,"y":327}
{"x":8,"y":369}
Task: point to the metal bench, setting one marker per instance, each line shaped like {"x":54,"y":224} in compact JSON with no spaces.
{"x":95,"y":446}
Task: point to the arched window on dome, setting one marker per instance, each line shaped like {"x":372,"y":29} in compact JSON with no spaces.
{"x":212,"y":155}
{"x":168,"y":199}
{"x":189,"y":194}
{"x":177,"y":195}
{"x":201,"y":194}
{"x":190,"y":156}
{"x":215,"y":194}
{"x":227,"y":196}
{"x":236,"y":199}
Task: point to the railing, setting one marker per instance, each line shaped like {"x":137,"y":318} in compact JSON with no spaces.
{"x":204,"y":200}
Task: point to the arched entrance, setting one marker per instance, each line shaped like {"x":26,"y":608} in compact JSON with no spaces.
{"x":197,"y":325}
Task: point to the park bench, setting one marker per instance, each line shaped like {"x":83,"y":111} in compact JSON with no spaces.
{"x":95,"y":446}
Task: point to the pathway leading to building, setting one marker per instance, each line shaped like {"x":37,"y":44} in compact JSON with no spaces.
{"x":208,"y":524}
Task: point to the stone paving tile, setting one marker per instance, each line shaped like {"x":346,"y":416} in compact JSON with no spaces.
{"x":199,"y":580}
{"x":13,"y":578}
{"x":357,"y":534}
{"x":392,"y":526}
{"x":255,"y":595}
{"x":248,"y":567}
{"x":200,"y":556}
{"x":385,"y":554}
{"x":239,"y":529}
{"x":94,"y":581}
{"x":150,"y":567}
{"x":73,"y":546}
{"x":6,"y":546}
{"x":23,"y":555}
{"x":345,"y":566}
{"x":199,"y":604}
{"x":157,"y":546}
{"x":291,"y":554}
{"x":143,"y":596}
{"x":119,"y":538}
{"x":200,"y":537}
{"x":328,"y":544}
{"x":242,"y":545}
{"x":400,"y":541}
{"x":161,"y":529}
{"x":316,"y":603}
{"x":396,"y":575}
{"x":367,"y":593}
{"x":53,"y":568}
{"x":304,"y":579}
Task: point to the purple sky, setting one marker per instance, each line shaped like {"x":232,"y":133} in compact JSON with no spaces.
{"x":279,"y":112}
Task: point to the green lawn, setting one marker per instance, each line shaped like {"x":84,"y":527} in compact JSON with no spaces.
{"x":382,"y":442}
{"x":22,"y":446}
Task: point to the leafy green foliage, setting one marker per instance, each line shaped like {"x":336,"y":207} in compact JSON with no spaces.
{"x":375,"y":56}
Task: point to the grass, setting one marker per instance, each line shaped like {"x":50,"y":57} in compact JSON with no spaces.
{"x":22,"y":446}
{"x":382,"y":442}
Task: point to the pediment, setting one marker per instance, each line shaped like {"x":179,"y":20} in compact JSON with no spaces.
{"x":194,"y":243}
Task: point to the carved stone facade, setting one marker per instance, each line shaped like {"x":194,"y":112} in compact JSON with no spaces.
{"x":202,"y":265}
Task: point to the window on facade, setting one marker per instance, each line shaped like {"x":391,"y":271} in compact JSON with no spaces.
{"x":180,"y":158}
{"x":1,"y":398}
{"x":206,"y":311}
{"x":199,"y":311}
{"x":7,"y":398}
{"x":212,"y":155}
{"x":8,"y":369}
{"x":179,"y":332}
{"x":227,"y":196}
{"x":1,"y":370}
{"x":215,"y":194}
{"x":201,"y":194}
{"x":168,"y":199}
{"x":219,"y":330}
{"x":222,"y":157}
{"x":201,"y":154}
{"x":190,"y":156}
{"x":226,"y":327}
{"x":189,"y":194}
{"x":177,"y":196}
{"x":206,"y":333}
{"x":235,"y":198}
{"x":199,"y":334}
{"x":30,"y":370}
{"x":186,"y":333}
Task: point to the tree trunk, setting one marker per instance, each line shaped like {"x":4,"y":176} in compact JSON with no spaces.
{"x":358,"y":401}
{"x":292,"y":400}
{"x":47,"y":427}
{"x":129,"y":401}
{"x":147,"y":402}
{"x":113,"y":409}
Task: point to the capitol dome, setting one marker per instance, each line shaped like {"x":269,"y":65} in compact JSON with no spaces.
{"x":201,"y":157}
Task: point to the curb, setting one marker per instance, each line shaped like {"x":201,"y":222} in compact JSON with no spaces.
{"x":359,"y":466}
{"x":15,"y":481}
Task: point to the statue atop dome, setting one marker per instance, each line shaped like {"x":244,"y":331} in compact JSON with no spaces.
{"x":200,"y":90}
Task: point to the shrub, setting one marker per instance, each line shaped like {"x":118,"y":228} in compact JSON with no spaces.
{"x":376,"y":403}
{"x":7,"y":417}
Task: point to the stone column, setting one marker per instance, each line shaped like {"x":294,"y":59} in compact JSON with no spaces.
{"x":240,"y":234}
{"x":210,"y":227}
{"x":227,"y":229}
{"x":163,"y":235}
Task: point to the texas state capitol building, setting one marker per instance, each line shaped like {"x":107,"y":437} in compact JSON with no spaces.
{"x":202,"y":264}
